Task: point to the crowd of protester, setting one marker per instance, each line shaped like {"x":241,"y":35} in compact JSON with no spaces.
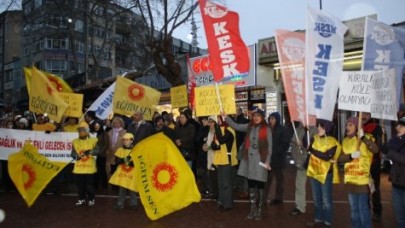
{"x":232,"y":155}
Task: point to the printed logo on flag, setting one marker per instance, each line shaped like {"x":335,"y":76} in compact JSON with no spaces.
{"x":165,"y":177}
{"x":213,"y":11}
{"x":383,"y":35}
{"x":325,"y":26}
{"x":29,"y":176}
{"x":136,"y":92}
{"x":294,"y":49}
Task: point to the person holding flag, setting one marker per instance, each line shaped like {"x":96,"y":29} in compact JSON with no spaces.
{"x":125,"y":166}
{"x":358,"y":149}
{"x":83,"y":150}
{"x":323,"y":172}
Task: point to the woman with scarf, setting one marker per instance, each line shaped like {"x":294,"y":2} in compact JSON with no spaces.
{"x":222,"y":145}
{"x":395,"y":151}
{"x":323,"y":171}
{"x":255,"y":162}
{"x":358,"y":149}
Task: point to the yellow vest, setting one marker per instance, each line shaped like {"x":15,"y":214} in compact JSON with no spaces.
{"x":70,"y":128}
{"x":221,"y":156}
{"x":357,"y":171}
{"x":43,"y":127}
{"x":124,"y":175}
{"x":318,"y":168}
{"x":86,"y":165}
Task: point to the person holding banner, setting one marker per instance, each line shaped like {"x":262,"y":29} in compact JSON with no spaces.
{"x":256,"y":155}
{"x":369,"y":126}
{"x":358,"y":149}
{"x":395,"y":151}
{"x":83,"y":150}
{"x":221,"y":141}
{"x":43,"y":125}
{"x":323,"y":172}
{"x":125,"y":166}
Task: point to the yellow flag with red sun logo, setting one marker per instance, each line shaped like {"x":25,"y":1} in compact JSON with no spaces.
{"x":44,"y":98}
{"x":164,"y":180}
{"x":130,"y":97}
{"x":58,"y":83}
{"x":31,"y":172}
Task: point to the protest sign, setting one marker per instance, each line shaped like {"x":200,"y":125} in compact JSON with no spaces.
{"x":178,"y":96}
{"x":384,"y":96}
{"x":206,"y":100}
{"x":355,"y":90}
{"x":75,"y":104}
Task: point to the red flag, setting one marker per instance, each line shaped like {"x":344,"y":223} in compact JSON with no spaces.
{"x":191,"y":84}
{"x":228,"y":53}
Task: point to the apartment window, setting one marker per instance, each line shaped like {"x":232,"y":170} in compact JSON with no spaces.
{"x":56,"y":43}
{"x":79,"y":26}
{"x":79,"y":47}
{"x":55,"y":65}
{"x":100,"y":32}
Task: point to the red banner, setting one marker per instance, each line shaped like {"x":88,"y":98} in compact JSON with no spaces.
{"x":228,"y":53}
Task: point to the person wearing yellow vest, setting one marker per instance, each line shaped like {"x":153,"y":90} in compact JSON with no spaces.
{"x":43,"y":125}
{"x":83,"y":150}
{"x":221,"y":140}
{"x":125,"y":168}
{"x":358,"y":149}
{"x":323,"y":172}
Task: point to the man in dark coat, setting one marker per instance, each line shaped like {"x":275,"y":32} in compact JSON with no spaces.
{"x":139,"y":127}
{"x":281,"y":143}
{"x":161,"y":127}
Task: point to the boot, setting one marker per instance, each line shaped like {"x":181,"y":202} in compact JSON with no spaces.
{"x":259,"y":212}
{"x":252,"y":200}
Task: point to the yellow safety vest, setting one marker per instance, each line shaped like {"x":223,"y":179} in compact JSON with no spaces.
{"x":124,"y":176}
{"x":86,"y":165}
{"x":357,"y":171}
{"x":221,"y":156}
{"x":318,"y":168}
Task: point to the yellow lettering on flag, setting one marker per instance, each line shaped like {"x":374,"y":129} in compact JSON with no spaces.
{"x":206,"y":100}
{"x":178,"y":96}
{"x":130,"y":97}
{"x":44,"y":98}
{"x":57,"y":83}
{"x":75,"y":104}
{"x":163,"y":178}
{"x":31,"y":172}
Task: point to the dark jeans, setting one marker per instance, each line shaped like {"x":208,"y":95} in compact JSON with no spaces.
{"x":375,"y":171}
{"x":225,"y":185}
{"x":277,"y":173}
{"x":85,"y":184}
{"x":101,"y":176}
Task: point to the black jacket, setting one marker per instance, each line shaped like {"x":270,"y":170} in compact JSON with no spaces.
{"x":395,"y":151}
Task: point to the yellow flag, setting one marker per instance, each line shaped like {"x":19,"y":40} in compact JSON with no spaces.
{"x":56,"y":82}
{"x":130,"y":97}
{"x":31,"y":172}
{"x":164,"y":180}
{"x":44,"y":98}
{"x":124,"y":177}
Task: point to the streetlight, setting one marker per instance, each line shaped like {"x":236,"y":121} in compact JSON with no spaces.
{"x":69,"y":20}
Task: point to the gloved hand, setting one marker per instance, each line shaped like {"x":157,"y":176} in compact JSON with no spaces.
{"x":87,"y":152}
{"x":355,"y":154}
{"x":127,"y":159}
{"x":47,"y":132}
{"x":360,"y":133}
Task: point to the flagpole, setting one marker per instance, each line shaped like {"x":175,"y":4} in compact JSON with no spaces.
{"x":219,"y":98}
{"x":81,"y":119}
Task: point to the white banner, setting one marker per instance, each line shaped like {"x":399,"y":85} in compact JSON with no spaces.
{"x":323,"y":61}
{"x":103,"y":105}
{"x":55,"y":146}
{"x":355,"y":90}
{"x":384,"y":96}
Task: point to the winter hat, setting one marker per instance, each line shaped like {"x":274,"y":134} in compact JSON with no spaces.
{"x":83,"y":126}
{"x":23,"y":121}
{"x":258,"y":110}
{"x":213,"y":118}
{"x":325,"y":124}
{"x":276,"y":116}
{"x":353,"y":120}
{"x":128,"y":136}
